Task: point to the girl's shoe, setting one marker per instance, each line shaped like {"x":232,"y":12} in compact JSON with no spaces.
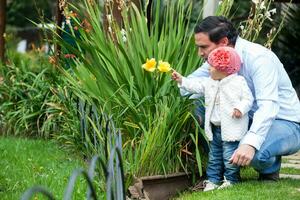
{"x":225,"y":184}
{"x":209,"y":186}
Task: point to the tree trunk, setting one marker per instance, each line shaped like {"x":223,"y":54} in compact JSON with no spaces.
{"x":59,"y":18}
{"x":2,"y":29}
{"x":116,"y":12}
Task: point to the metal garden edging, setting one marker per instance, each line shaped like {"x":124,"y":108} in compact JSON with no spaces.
{"x":113,"y":169}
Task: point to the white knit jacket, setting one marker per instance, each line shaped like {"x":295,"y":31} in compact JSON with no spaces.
{"x":234,"y":93}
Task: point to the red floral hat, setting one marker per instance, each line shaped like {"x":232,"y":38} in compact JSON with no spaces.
{"x":225,"y":59}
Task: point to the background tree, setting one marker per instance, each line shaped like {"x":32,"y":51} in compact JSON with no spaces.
{"x":19,"y":11}
{"x":2,"y":28}
{"x":283,"y":44}
{"x":285,"y":47}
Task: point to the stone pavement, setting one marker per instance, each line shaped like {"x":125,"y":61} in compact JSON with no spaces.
{"x":291,"y":161}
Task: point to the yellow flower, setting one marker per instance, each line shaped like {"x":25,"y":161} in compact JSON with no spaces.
{"x":164,"y":66}
{"x":149,"y":65}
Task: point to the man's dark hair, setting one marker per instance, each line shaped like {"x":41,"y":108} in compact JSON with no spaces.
{"x":217,"y":27}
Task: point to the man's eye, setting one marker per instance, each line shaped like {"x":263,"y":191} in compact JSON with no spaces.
{"x":201,"y":47}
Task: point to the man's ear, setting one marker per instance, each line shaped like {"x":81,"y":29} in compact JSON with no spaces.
{"x":223,"y":41}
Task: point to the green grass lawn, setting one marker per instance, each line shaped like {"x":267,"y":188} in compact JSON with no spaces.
{"x":25,"y":163}
{"x":251,"y":189}
{"x":289,"y":170}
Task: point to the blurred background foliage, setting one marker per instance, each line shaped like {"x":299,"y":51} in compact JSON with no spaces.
{"x":19,"y":11}
{"x":283,"y":44}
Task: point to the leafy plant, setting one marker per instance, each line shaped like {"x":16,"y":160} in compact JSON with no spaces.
{"x":23,"y":93}
{"x":34,"y":99}
{"x":154,"y":119}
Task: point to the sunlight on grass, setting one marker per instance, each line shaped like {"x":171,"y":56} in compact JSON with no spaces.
{"x":289,"y":170}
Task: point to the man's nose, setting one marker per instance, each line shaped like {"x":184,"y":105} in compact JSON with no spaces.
{"x":200,"y":53}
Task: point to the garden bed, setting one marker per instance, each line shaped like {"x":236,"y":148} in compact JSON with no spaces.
{"x":160,"y":187}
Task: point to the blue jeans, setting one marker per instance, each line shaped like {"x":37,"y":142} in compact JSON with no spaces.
{"x":218,"y":161}
{"x":283,"y":138}
{"x":199,"y":114}
{"x":199,"y":111}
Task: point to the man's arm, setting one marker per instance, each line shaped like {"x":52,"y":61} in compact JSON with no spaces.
{"x":265,"y":77}
{"x":257,"y":133}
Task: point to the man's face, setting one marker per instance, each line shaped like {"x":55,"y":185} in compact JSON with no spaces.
{"x":205,"y":46}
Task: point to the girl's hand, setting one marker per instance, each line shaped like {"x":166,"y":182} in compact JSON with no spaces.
{"x":236,"y":113}
{"x":176,"y":76}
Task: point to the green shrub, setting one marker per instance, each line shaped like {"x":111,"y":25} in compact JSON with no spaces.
{"x":154,"y":119}
{"x":33,"y":98}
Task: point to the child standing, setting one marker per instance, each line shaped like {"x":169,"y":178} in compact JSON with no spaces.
{"x":227,"y":101}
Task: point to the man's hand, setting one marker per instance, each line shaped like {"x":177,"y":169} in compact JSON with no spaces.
{"x":176,"y":76}
{"x":243,"y":155}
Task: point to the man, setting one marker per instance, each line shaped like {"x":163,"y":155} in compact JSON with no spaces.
{"x":275,"y":115}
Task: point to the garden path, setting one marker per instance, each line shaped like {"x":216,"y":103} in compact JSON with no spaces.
{"x":291,"y":161}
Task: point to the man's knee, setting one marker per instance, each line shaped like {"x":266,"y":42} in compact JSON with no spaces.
{"x":262,"y":160}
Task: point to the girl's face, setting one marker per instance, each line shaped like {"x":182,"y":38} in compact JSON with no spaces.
{"x":216,"y":74}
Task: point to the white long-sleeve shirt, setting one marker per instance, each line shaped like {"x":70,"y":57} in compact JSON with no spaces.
{"x":233,"y":93}
{"x":274,"y":95}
